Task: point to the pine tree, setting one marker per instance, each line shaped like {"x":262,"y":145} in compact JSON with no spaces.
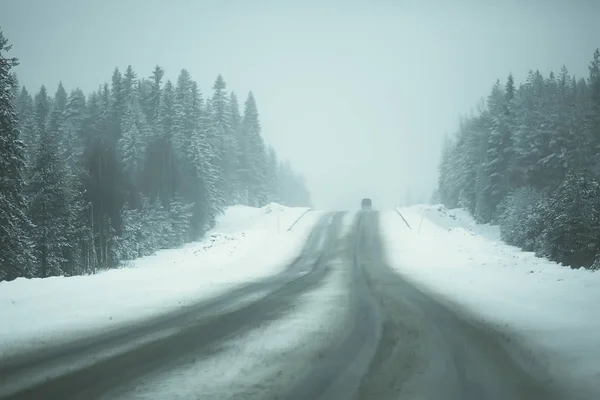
{"x":470,"y":150}
{"x":581,"y":126}
{"x":133,"y":168}
{"x":531,"y":136}
{"x":117,"y":104}
{"x":447,"y":179}
{"x":188,"y":149}
{"x":152,"y":101}
{"x":185,"y":118}
{"x":74,"y":118}
{"x":573,"y":234}
{"x":240,"y":152}
{"x":27,"y":127}
{"x":221,"y":127}
{"x":594,"y":109}
{"x":133,"y":142}
{"x":60,"y":98}
{"x":160,"y":178}
{"x":495,"y":169}
{"x":129,"y":84}
{"x":102,"y":179}
{"x":15,"y":254}
{"x":42,"y":110}
{"x":256,"y":166}
{"x":48,"y":208}
{"x":212,"y":174}
{"x":539,"y":172}
{"x":15,"y":89}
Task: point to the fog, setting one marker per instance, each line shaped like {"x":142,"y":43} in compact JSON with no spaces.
{"x":357,"y":95}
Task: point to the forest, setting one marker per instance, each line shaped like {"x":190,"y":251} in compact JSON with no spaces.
{"x":529,"y":161}
{"x":140,"y":164}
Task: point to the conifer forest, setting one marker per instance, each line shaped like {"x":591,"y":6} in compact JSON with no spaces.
{"x":89,"y":180}
{"x":529,"y":160}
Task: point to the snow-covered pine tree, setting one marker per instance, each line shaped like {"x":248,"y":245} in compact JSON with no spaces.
{"x":185,"y":120}
{"x":74,"y":118}
{"x":42,"y":109}
{"x":548,"y":205}
{"x":495,"y":169}
{"x":117,"y":103}
{"x":102,"y":178}
{"x":85,"y":155}
{"x":159,"y":170}
{"x":470,"y":150}
{"x":522,"y":218}
{"x":531,"y":136}
{"x":581,"y":126}
{"x":60,"y":99}
{"x":242,"y":192}
{"x":152,"y":101}
{"x":553,"y":157}
{"x":15,"y":89}
{"x":221,"y":126}
{"x":564,"y":147}
{"x":572,"y":229}
{"x":48,"y":191}
{"x":15,"y":251}
{"x":210,"y":157}
{"x":447,"y":179}
{"x":133,"y":142}
{"x":27,"y":127}
{"x":594,"y":108}
{"x":256,"y":163}
{"x":66,"y":123}
{"x":188,"y":150}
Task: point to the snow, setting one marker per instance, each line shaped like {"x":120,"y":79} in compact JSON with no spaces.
{"x":549,"y":312}
{"x":34,"y":312}
{"x":265,"y":361}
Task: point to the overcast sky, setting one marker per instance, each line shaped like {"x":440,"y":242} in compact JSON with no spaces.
{"x":356,"y":94}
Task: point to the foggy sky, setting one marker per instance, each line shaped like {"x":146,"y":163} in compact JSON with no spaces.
{"x":357,"y":95}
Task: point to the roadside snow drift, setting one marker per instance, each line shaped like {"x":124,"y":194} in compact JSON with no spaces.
{"x":246,"y":244}
{"x":550,"y":313}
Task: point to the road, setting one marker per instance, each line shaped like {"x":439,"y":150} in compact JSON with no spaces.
{"x":396,"y":342}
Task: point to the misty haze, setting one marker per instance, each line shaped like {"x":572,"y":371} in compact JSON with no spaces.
{"x":300,"y":200}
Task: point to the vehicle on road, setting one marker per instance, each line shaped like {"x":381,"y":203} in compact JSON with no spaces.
{"x":366,"y":204}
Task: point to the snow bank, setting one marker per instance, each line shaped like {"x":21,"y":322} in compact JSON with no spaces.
{"x":549,"y":311}
{"x":247,"y":243}
{"x":272,"y":217}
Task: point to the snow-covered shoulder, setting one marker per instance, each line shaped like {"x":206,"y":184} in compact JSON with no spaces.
{"x":549,"y":311}
{"x":34,"y":312}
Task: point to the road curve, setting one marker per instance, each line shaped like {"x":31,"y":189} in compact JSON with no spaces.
{"x":90,"y":367}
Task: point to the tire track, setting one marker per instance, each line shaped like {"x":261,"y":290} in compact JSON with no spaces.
{"x":338,"y":374}
{"x":428,"y":352}
{"x":196,"y":329}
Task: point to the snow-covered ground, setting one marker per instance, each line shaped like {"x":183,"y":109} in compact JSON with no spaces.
{"x":265,"y":361}
{"x":34,"y":312}
{"x":550,"y":312}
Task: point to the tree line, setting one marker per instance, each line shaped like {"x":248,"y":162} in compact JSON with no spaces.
{"x":529,"y":160}
{"x":138,"y":165}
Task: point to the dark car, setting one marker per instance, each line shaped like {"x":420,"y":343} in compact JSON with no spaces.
{"x":366,"y":204}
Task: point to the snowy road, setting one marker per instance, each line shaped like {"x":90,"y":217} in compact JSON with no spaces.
{"x":379,"y":338}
